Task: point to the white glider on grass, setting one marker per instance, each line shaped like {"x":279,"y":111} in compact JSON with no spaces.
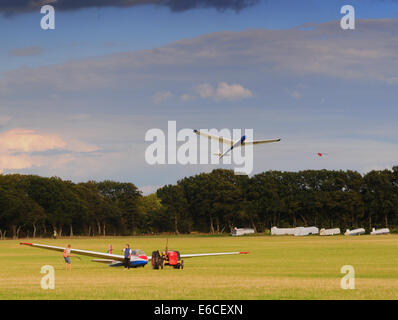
{"x":138,"y":256}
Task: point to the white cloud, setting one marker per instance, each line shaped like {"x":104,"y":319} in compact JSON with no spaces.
{"x":224,"y":91}
{"x":23,"y":140}
{"x":162,"y":96}
{"x":186,"y":97}
{"x":19,"y":149}
{"x":205,"y":90}
{"x":232,"y":92}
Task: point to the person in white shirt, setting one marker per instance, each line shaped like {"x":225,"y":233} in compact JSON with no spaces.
{"x":127,"y":256}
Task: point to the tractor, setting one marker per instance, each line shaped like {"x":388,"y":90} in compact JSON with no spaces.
{"x":167,"y":258}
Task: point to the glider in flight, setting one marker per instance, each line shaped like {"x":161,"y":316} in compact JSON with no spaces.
{"x":233,"y":144}
{"x":138,"y":257}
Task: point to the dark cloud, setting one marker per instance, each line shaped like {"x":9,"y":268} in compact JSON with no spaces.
{"x":25,"y":52}
{"x":10,"y":7}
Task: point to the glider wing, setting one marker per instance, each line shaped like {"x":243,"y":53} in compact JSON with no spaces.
{"x":101,"y":255}
{"x":261,"y":141}
{"x":194,"y":255}
{"x":214,"y":137}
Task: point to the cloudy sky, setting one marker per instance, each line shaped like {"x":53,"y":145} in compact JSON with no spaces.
{"x":77,"y":101}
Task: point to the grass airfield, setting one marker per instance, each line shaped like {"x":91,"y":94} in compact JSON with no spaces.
{"x":276,"y":268}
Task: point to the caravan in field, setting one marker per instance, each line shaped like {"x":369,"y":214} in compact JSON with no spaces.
{"x":355,"y":232}
{"x":242,"y":231}
{"x":329,"y":232}
{"x":380,"y":231}
{"x":305,"y":231}
{"x":275,"y":231}
{"x":299,"y":231}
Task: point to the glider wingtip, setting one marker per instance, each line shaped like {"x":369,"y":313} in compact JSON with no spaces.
{"x":26,"y":243}
{"x":244,"y":252}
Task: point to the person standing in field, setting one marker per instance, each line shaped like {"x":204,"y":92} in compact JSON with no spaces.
{"x":55,"y":235}
{"x":67,"y":256}
{"x":127,"y":256}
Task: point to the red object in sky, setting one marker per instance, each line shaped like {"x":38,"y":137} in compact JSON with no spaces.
{"x":320,"y":154}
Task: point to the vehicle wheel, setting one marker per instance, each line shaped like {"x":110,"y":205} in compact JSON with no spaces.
{"x":155,"y":260}
{"x":182,"y":264}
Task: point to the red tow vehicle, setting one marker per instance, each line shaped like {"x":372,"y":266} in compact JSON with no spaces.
{"x":168,"y":258}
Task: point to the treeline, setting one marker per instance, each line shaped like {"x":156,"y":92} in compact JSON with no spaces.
{"x":36,"y":206}
{"x":217,"y":201}
{"x":32,"y":206}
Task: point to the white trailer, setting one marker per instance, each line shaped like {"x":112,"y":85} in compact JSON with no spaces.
{"x":305,"y":231}
{"x":282,"y":231}
{"x":380,"y":231}
{"x":329,"y":232}
{"x":241,"y":231}
{"x":355,"y":232}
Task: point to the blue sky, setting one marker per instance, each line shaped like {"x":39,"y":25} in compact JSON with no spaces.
{"x":76,"y":101}
{"x":97,"y":31}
